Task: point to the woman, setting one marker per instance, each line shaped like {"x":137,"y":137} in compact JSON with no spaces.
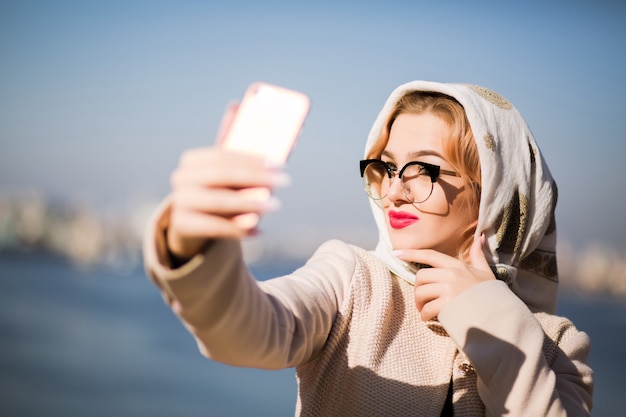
{"x":453,"y":313}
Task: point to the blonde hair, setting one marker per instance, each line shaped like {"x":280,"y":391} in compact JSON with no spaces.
{"x":459,"y":147}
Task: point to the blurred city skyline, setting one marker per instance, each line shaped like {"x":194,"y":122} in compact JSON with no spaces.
{"x":98,"y":100}
{"x":32,"y":225}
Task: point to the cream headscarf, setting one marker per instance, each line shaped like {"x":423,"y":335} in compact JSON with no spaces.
{"x":518,"y":197}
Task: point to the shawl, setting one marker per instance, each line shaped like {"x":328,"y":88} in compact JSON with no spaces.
{"x":518,"y":197}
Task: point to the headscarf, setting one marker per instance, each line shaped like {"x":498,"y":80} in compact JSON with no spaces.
{"x":518,"y":197}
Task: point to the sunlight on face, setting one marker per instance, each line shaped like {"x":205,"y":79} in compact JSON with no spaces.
{"x":439,"y":222}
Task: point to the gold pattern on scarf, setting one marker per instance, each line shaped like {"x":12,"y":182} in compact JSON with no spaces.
{"x":490,"y":142}
{"x":512,"y":224}
{"x":491,"y":96}
{"x":542,"y":263}
{"x":504,"y":275}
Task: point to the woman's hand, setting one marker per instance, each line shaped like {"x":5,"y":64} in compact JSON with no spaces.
{"x":218,"y":194}
{"x":448,"y":277}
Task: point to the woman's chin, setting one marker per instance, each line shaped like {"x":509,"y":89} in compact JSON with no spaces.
{"x":403,"y":244}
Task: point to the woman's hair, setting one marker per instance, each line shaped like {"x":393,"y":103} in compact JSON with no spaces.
{"x":459,"y":147}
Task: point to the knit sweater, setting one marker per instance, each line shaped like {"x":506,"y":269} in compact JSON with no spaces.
{"x":352,"y":331}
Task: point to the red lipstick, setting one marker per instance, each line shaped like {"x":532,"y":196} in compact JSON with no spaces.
{"x":401,"y":219}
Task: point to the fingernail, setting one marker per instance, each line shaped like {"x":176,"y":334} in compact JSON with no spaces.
{"x":271,"y":204}
{"x":280,"y":179}
{"x":247,"y":221}
{"x":260,"y":194}
{"x":398,"y":253}
{"x":273,"y":164}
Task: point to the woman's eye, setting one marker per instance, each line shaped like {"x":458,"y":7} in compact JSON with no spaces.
{"x":391,"y":165}
{"x":415,"y":171}
{"x":422,"y":169}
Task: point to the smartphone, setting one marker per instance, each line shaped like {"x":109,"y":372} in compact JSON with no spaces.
{"x":268,"y":121}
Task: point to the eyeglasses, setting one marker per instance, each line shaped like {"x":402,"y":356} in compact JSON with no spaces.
{"x":418,"y":179}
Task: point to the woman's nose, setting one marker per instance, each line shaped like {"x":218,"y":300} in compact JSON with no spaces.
{"x":396,"y":193}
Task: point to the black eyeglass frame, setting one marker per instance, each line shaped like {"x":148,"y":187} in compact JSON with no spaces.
{"x":433,"y":171}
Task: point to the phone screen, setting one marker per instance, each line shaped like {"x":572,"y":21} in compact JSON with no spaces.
{"x":268,"y":122}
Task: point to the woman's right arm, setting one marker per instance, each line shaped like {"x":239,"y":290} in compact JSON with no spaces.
{"x":192,"y":253}
{"x":235,"y":320}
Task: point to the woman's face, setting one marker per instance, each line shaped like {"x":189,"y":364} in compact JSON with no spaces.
{"x":439,"y":222}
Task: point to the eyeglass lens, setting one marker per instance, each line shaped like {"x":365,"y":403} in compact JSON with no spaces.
{"x":416,"y":184}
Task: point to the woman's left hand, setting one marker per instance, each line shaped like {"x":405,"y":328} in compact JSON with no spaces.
{"x":448,"y":277}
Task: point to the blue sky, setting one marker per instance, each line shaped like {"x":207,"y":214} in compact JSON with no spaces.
{"x":99,"y":99}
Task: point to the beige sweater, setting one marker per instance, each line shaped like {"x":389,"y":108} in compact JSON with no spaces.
{"x":353,"y":333}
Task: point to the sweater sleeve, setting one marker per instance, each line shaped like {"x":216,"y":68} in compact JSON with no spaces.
{"x":504,"y":342}
{"x":238,"y":321}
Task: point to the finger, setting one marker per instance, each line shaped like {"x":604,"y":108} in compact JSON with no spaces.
{"x":431,"y":309}
{"x":247,"y":221}
{"x":477,"y":253}
{"x":429,"y":257}
{"x":433,"y":275}
{"x":425,"y":293}
{"x":190,"y":231}
{"x":429,"y":300}
{"x":188,"y":224}
{"x":226,"y":176}
{"x":216,"y":157}
{"x":214,"y":166}
{"x":225,"y":202}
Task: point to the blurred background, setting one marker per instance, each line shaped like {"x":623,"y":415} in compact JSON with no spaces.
{"x":99,"y":99}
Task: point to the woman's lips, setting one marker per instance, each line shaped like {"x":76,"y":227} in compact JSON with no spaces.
{"x":401,"y":219}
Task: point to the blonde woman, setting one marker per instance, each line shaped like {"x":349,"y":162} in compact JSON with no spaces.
{"x":453,"y":313}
